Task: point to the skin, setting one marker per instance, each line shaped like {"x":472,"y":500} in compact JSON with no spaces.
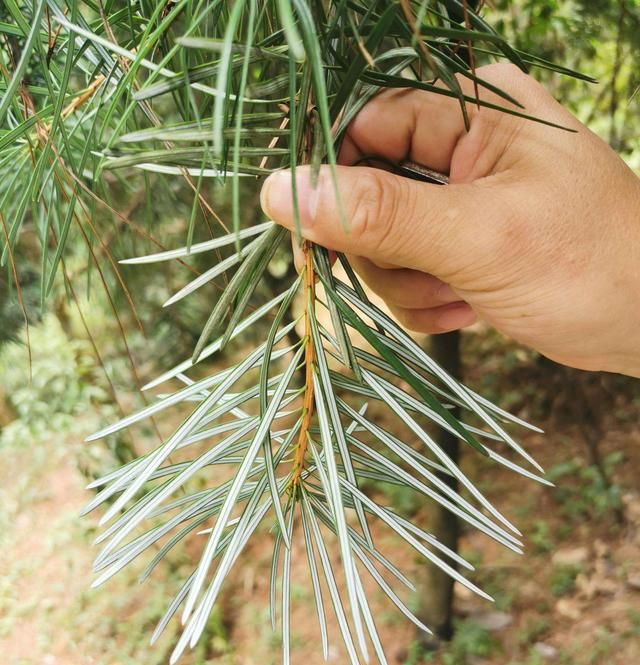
{"x":538,"y":232}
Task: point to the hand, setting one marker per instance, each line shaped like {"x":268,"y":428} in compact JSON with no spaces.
{"x":538,"y":232}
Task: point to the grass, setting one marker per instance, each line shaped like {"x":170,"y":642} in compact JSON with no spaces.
{"x":533,"y":630}
{"x":563,"y":580}
{"x":471,"y":641}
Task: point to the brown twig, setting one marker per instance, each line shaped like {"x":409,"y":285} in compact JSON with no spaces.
{"x":470,"y":54}
{"x":52,"y":38}
{"x":274,"y":142}
{"x":309,"y":360}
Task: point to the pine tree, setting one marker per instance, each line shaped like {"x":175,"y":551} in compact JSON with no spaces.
{"x":193,"y":92}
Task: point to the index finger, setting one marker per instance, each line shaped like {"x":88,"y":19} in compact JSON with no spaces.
{"x":405,"y":124}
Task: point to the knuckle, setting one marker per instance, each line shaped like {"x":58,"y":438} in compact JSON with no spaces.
{"x":379,"y":201}
{"x":503,"y":71}
{"x":325,"y":196}
{"x":367,"y":202}
{"x":510,"y":77}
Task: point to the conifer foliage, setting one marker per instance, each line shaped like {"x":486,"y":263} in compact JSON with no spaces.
{"x":201,"y":90}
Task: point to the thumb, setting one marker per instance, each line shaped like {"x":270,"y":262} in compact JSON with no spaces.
{"x":384,"y":217}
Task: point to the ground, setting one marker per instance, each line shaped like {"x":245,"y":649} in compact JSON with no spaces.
{"x":572,"y":599}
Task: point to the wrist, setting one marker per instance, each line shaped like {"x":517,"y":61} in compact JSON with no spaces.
{"x":626,"y":277}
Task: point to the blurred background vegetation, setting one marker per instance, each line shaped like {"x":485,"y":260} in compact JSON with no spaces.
{"x":573,"y":599}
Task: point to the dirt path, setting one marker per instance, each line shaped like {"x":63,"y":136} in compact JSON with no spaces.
{"x":43,"y":569}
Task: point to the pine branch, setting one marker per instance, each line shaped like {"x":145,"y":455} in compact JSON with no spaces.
{"x":200,"y":92}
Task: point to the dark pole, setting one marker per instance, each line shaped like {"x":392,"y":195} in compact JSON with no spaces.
{"x":436,"y":587}
{"x":436,"y":602}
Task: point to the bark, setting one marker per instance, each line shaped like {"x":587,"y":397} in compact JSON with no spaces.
{"x":435,"y":588}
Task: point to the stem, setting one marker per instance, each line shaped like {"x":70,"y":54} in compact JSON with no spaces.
{"x":309,"y":361}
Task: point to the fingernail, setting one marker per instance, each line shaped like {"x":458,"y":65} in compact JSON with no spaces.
{"x":275,"y":193}
{"x":276,"y":197}
{"x":455,"y":318}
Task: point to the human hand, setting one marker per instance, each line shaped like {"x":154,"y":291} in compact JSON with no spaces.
{"x":538,"y":232}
